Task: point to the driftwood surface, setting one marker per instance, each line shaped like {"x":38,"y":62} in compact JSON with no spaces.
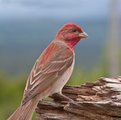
{"x":92,"y":101}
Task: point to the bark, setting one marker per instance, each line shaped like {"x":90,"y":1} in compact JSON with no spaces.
{"x":92,"y":101}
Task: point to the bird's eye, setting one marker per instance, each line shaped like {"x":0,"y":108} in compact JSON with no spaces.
{"x":73,"y":30}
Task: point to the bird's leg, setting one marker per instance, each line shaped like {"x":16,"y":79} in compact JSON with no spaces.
{"x":61,"y":97}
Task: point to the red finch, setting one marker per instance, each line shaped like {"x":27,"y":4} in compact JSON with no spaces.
{"x":51,"y":71}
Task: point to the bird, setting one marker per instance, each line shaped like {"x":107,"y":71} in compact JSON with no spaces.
{"x":51,"y":70}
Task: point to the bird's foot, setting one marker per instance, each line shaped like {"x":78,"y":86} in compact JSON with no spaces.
{"x":61,"y":97}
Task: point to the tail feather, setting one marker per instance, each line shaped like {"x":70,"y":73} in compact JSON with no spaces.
{"x":15,"y":115}
{"x":24,"y":112}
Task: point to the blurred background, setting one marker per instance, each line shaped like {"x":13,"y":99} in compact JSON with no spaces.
{"x":28,"y":26}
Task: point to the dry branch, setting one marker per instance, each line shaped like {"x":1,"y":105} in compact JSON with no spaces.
{"x":92,"y":101}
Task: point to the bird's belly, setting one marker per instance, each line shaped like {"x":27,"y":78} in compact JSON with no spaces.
{"x":59,"y":84}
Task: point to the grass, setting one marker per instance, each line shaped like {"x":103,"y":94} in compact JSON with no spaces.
{"x":81,"y":77}
{"x":10,"y":95}
{"x":11,"y":90}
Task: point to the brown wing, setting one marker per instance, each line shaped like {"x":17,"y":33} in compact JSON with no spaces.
{"x":53,"y":62}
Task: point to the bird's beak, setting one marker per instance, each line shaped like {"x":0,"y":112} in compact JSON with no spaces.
{"x":83,"y":35}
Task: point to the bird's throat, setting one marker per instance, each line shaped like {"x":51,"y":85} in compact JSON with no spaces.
{"x":72,"y":43}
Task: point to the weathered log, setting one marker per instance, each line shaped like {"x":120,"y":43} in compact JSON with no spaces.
{"x":92,"y":101}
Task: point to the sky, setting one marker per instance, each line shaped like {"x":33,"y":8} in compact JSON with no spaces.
{"x":21,"y":34}
{"x":54,"y":8}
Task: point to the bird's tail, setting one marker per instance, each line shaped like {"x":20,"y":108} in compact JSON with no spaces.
{"x":24,"y":112}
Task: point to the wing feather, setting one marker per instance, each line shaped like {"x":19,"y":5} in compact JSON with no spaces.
{"x":45,"y":72}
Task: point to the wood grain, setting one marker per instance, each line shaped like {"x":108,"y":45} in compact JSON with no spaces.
{"x":92,"y":101}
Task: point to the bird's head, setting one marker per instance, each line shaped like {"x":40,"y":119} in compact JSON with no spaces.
{"x":71,"y":34}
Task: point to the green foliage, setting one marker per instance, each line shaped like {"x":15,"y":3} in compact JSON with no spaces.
{"x":10,"y":94}
{"x":81,"y":77}
{"x":11,"y":89}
